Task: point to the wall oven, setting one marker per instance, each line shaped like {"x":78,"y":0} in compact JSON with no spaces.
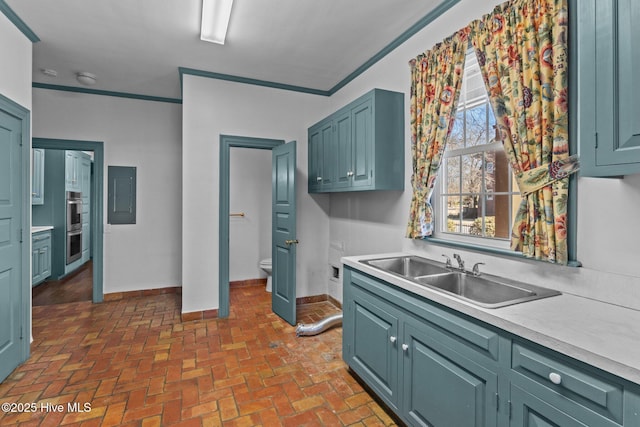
{"x":74,"y":245}
{"x":74,"y":210}
{"x":74,"y":226}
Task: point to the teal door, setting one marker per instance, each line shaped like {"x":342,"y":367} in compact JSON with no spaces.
{"x":11,"y":304}
{"x":283,"y":253}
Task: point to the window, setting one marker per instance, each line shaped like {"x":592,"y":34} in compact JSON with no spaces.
{"x":476,"y":196}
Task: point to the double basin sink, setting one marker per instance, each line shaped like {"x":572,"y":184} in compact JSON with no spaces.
{"x":483,"y":290}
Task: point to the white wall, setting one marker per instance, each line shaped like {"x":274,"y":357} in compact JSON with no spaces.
{"x":214,"y":107}
{"x":607,"y":209}
{"x":144,"y":134}
{"x":249,"y":193}
{"x":15,"y":72}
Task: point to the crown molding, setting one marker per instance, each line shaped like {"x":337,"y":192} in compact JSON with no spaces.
{"x":105,"y":93}
{"x":19,"y":23}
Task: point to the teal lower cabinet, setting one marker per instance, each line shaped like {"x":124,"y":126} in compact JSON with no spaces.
{"x":40,"y":257}
{"x":433,"y":366}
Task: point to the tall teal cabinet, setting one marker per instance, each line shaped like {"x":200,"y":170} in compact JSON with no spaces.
{"x":436,"y":367}
{"x":37,"y":176}
{"x":359,"y":147}
{"x":607,"y":70}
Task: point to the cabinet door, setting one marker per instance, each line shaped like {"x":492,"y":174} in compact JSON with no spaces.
{"x":344,"y":150}
{"x":35,"y":264}
{"x":618,"y":87}
{"x":441,"y":387}
{"x":72,"y":181}
{"x":362,"y":140}
{"x":86,"y":242}
{"x":37,"y":176}
{"x":315,"y":160}
{"x":85,"y":177}
{"x":373,"y":344}
{"x":45,"y":259}
{"x":328,"y":154}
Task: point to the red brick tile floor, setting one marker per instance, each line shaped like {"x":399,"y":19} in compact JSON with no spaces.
{"x":134,"y":363}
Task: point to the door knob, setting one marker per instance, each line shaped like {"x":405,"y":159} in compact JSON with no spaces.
{"x":405,"y":347}
{"x":392,"y":339}
{"x":291,"y":242}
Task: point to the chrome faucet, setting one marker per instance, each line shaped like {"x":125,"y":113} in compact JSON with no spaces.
{"x":448,"y":263}
{"x":476,"y":268}
{"x":460,"y":262}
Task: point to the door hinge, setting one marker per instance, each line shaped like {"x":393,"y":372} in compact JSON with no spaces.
{"x":497,"y":402}
{"x":596,"y":140}
{"x":21,"y":335}
{"x":509,"y":408}
{"x":20,"y":235}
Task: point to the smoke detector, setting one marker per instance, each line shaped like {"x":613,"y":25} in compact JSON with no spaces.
{"x":49,"y":72}
{"x":85,"y":78}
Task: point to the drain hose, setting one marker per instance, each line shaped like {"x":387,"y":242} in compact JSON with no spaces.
{"x":318,"y":327}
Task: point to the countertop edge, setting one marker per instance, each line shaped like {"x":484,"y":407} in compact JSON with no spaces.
{"x":505,"y":318}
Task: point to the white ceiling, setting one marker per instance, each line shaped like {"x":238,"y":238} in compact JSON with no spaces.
{"x":136,"y":46}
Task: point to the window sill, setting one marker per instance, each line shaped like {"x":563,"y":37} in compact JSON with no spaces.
{"x":490,"y":250}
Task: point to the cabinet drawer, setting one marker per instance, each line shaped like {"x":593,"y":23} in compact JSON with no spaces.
{"x":595,"y":392}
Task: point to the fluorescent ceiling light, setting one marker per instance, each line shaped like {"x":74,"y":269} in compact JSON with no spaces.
{"x":215,"y":20}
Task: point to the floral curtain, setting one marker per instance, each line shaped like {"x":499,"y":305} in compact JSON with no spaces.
{"x":522,"y":52}
{"x":436,"y":77}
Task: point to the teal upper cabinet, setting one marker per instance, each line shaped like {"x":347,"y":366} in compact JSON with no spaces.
{"x":360,"y":147}
{"x":37,"y":176}
{"x":608,"y":89}
{"x":72,"y":171}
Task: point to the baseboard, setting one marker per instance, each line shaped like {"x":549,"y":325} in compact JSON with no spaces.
{"x":246,"y":283}
{"x":318,"y":298}
{"x":117,"y":296}
{"x":199,"y":315}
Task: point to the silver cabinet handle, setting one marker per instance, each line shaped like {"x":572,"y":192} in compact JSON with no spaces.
{"x":319,"y":179}
{"x":350,"y":173}
{"x":405,"y":347}
{"x":555,"y":378}
{"x":392,"y":339}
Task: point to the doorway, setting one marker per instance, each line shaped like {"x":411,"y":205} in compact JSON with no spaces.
{"x":97,"y":202}
{"x":226,"y":143}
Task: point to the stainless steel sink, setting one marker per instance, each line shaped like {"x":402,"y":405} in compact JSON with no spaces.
{"x":408,"y":266}
{"x":486,"y":290}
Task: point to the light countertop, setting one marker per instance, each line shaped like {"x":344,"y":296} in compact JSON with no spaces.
{"x":40,"y":228}
{"x":604,"y":335}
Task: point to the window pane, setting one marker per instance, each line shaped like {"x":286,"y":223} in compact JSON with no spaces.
{"x":452,"y":168}
{"x":499,"y":215}
{"x":472,"y":173}
{"x":453,"y":208}
{"x":476,"y":125}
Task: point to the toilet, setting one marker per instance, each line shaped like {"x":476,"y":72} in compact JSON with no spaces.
{"x":265,"y":264}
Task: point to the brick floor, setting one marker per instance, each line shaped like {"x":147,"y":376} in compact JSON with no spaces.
{"x":136,"y":364}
